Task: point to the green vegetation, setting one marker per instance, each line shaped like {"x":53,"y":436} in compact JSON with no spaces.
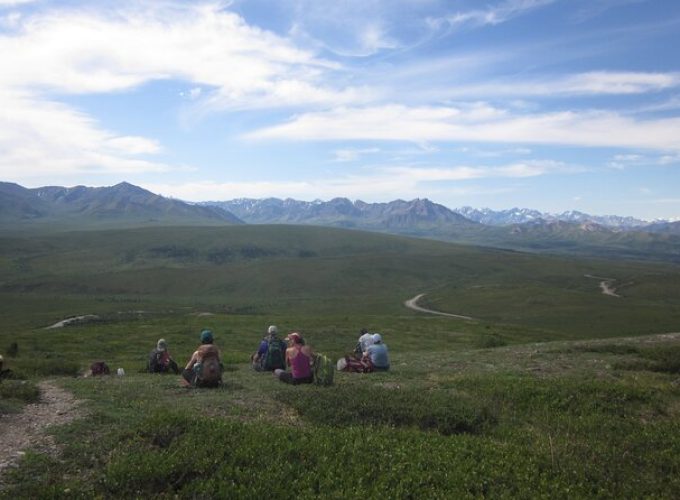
{"x":523,"y":401}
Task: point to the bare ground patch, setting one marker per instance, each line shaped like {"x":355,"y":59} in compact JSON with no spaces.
{"x":26,"y":430}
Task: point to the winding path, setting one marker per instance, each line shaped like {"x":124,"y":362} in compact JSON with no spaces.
{"x":413,"y":304}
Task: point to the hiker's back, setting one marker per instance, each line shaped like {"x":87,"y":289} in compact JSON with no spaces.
{"x":275,"y":358}
{"x":208,"y":368}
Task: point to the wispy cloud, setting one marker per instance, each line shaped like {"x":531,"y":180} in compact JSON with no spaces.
{"x":591,"y":83}
{"x":353,"y":154}
{"x":478,"y":123}
{"x":492,"y":15}
{"x":384,"y":183}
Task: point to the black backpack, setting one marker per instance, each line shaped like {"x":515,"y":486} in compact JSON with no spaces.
{"x":276,"y":355}
{"x":155,"y":365}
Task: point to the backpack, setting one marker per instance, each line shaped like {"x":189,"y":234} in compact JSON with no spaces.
{"x":276,"y":356}
{"x":99,"y":368}
{"x":155,"y":364}
{"x":323,"y":369}
{"x":208,"y":372}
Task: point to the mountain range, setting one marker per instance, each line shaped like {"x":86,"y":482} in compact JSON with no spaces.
{"x":121,"y":205}
{"x":418,"y":212}
{"x":126,"y":205}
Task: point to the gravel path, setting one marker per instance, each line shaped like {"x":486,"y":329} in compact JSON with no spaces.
{"x":413,"y":304}
{"x":24,"y":430}
{"x":606,"y":285}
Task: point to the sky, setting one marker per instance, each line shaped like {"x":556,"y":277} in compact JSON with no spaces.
{"x":553,"y":105}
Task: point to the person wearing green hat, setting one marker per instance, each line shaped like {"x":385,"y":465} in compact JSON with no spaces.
{"x":204,"y":369}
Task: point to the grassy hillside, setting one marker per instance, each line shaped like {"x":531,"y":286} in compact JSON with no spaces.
{"x":294,"y":269}
{"x":518,"y":402}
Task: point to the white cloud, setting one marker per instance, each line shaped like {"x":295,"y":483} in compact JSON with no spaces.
{"x":89,"y":52}
{"x":41,"y":137}
{"x":493,"y":15}
{"x":353,"y":154}
{"x":14,"y":3}
{"x":232,"y":66}
{"x":478,"y":124}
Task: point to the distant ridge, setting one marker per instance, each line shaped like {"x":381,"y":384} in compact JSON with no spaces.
{"x":122,"y":205}
{"x":398,"y":214}
{"x":339,"y":211}
{"x":572,"y":232}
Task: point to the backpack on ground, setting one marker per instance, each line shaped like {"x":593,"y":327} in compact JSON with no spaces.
{"x":99,"y":368}
{"x":323,"y":369}
{"x":276,"y":355}
{"x":209,"y":373}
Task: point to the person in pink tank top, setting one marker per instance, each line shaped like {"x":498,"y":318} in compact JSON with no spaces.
{"x":299,"y":357}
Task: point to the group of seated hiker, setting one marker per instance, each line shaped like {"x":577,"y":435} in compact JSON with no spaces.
{"x":290,"y":360}
{"x":275,"y":355}
{"x":370,"y":354}
{"x":204,"y":368}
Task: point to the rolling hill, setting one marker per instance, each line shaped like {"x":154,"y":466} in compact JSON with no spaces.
{"x":282,"y":268}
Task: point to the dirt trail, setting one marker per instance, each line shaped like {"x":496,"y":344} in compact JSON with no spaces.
{"x":606,"y":285}
{"x":413,"y":304}
{"x":24,"y":430}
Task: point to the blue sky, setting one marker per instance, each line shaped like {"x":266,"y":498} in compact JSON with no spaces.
{"x":547,"y":104}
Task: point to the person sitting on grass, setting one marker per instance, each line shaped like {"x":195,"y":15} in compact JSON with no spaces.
{"x":374,"y":357}
{"x":204,"y":369}
{"x":300,"y":358}
{"x":160,"y":360}
{"x":365,"y":340}
{"x":271,"y":354}
{"x":376,"y":354}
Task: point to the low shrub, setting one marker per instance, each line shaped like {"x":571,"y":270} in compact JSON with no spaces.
{"x":437,"y":410}
{"x":664,"y":358}
{"x":609,"y":349}
{"x":15,"y":393}
{"x":489,"y":341}
{"x":46,"y":366}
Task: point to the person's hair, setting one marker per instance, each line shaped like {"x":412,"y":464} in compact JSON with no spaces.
{"x":296,"y":338}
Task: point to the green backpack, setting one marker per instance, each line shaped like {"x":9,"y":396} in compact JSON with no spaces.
{"x":323,"y":369}
{"x":276,"y":355}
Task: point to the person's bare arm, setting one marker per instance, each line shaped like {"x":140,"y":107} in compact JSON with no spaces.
{"x":192,"y":361}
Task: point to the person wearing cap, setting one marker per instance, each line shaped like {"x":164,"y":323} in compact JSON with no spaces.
{"x":160,"y":360}
{"x":258,"y":359}
{"x":364,"y":341}
{"x":376,"y":354}
{"x":299,"y":357}
{"x":204,"y":369}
